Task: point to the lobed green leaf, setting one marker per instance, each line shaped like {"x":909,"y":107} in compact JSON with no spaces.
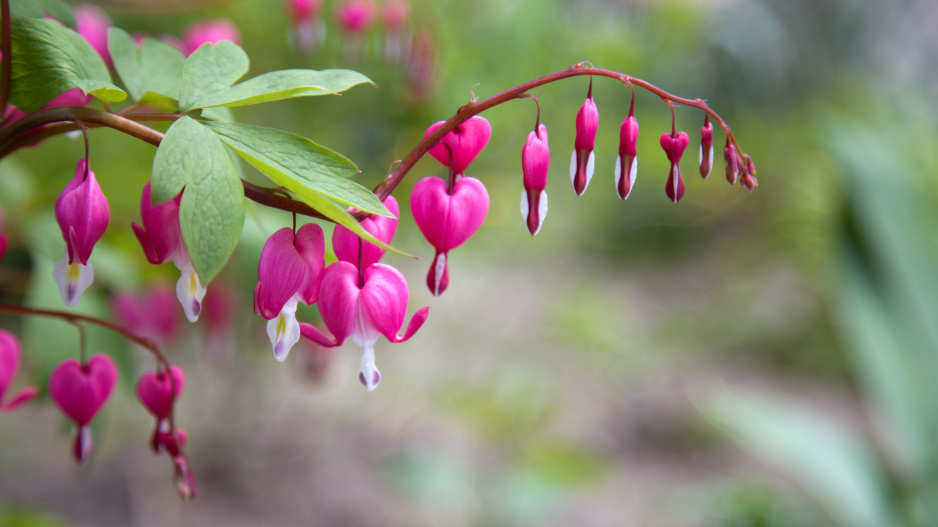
{"x":211,"y":214}
{"x":48,"y":59}
{"x":40,"y":8}
{"x":210,"y":69}
{"x":284,"y":84}
{"x":151,"y":72}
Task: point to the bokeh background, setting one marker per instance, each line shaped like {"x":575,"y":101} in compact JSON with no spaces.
{"x":734,"y":360}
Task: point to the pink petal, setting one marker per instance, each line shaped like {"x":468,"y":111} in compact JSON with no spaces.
{"x":316,"y":335}
{"x":587,"y":122}
{"x":355,"y":16}
{"x":311,"y":246}
{"x":465,"y":142}
{"x":338,"y":300}
{"x":447,"y":221}
{"x":160,"y":236}
{"x":345,"y":243}
{"x":535,"y":160}
{"x":210,"y":31}
{"x":80,"y":391}
{"x":384,"y":299}
{"x":281,"y":271}
{"x":93,"y":23}
{"x":157,"y":393}
{"x":82,"y":213}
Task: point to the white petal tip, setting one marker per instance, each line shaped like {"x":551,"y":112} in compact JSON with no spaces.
{"x":73,"y":279}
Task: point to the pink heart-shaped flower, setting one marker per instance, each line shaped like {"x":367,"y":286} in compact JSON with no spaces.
{"x":157,"y":393}
{"x":674,"y":145}
{"x":345,"y":243}
{"x":465,"y":142}
{"x":80,"y":390}
{"x":448,"y":220}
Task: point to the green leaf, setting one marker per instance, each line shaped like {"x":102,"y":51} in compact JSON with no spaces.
{"x":284,"y":84}
{"x":298,"y":164}
{"x":49,"y":59}
{"x":833,"y":466}
{"x":152,"y":70}
{"x":39,"y":8}
{"x":211,"y":69}
{"x":313,"y":173}
{"x":211,"y":214}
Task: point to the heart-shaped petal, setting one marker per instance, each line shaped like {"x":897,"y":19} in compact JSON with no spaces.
{"x":80,"y":391}
{"x":384,"y":299}
{"x":345,"y":243}
{"x":311,"y":245}
{"x":465,"y":142}
{"x":281,"y":271}
{"x":448,"y":220}
{"x":674,"y":145}
{"x":157,"y":393}
{"x":338,"y":300}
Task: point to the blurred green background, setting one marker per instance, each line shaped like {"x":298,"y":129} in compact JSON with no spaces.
{"x":735,"y":360}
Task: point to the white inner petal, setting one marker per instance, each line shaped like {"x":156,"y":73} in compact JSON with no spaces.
{"x":369,"y":371}
{"x":284,"y":330}
{"x":633,"y":173}
{"x":72,"y":279}
{"x":618,"y":170}
{"x":541,"y":211}
{"x":439,"y":269}
{"x":190,"y":291}
{"x":590,"y":165}
{"x":524,"y":204}
{"x":573,"y":167}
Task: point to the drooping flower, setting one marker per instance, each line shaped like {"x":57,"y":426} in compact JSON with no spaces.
{"x":210,"y":31}
{"x":396,"y":43}
{"x":731,"y":161}
{"x":464,"y":142}
{"x":161,"y":239}
{"x":82,"y":213}
{"x":289,"y":271}
{"x":80,"y":390}
{"x":749,"y":177}
{"x":307,"y":24}
{"x":706,"y":148}
{"x":363,"y":305}
{"x":627,"y":162}
{"x":151,"y":314}
{"x":346,"y":244}
{"x":674,"y":145}
{"x":447,"y":219}
{"x":355,"y":16}
{"x":158,"y":391}
{"x":583,"y":160}
{"x":92,"y":23}
{"x":10,"y":353}
{"x":535,"y":160}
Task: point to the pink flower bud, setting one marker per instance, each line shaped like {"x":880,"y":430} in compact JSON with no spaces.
{"x":627,"y":162}
{"x":92,"y":24}
{"x":535,"y":161}
{"x":210,"y":31}
{"x":363,"y":306}
{"x":706,"y":149}
{"x":731,"y":160}
{"x":289,"y":271}
{"x":447,"y":219}
{"x":303,"y":9}
{"x":9,"y":363}
{"x":395,"y":15}
{"x":161,"y":239}
{"x":465,"y":142}
{"x":157,"y":391}
{"x":674,"y":145}
{"x":749,"y":180}
{"x":346,"y":244}
{"x":355,"y":16}
{"x":82,"y":213}
{"x":80,"y":390}
{"x":583,"y":160}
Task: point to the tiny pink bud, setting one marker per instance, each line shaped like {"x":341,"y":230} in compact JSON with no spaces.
{"x":355,"y":16}
{"x":535,"y":161}
{"x":465,"y":142}
{"x":673,"y":146}
{"x":92,"y":24}
{"x":9,"y":363}
{"x":184,"y":479}
{"x":731,"y":161}
{"x":447,"y":219}
{"x":627,"y":162}
{"x":749,"y":180}
{"x":583,"y":159}
{"x":706,"y":149}
{"x":210,"y":31}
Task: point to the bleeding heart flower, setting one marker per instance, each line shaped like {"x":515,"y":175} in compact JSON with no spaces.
{"x":535,"y":160}
{"x":346,"y":244}
{"x":465,"y":142}
{"x":152,"y":315}
{"x":79,"y":390}
{"x":9,"y":363}
{"x":355,"y":16}
{"x":447,"y":219}
{"x":306,"y":22}
{"x":82,"y":213}
{"x":161,"y":239}
{"x":210,"y":31}
{"x":627,"y":162}
{"x":706,"y":148}
{"x":289,"y":271}
{"x":158,"y":391}
{"x":583,"y":160}
{"x":674,"y":145}
{"x":749,"y":180}
{"x":363,"y":306}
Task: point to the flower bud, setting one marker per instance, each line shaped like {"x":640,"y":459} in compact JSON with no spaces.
{"x":355,"y":16}
{"x":627,"y":162}
{"x":535,"y":161}
{"x":346,"y":244}
{"x":731,"y":161}
{"x":749,"y":180}
{"x":673,"y":146}
{"x":583,"y":159}
{"x":706,"y":149}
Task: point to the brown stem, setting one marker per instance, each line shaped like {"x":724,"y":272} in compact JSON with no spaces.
{"x":384,"y":189}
